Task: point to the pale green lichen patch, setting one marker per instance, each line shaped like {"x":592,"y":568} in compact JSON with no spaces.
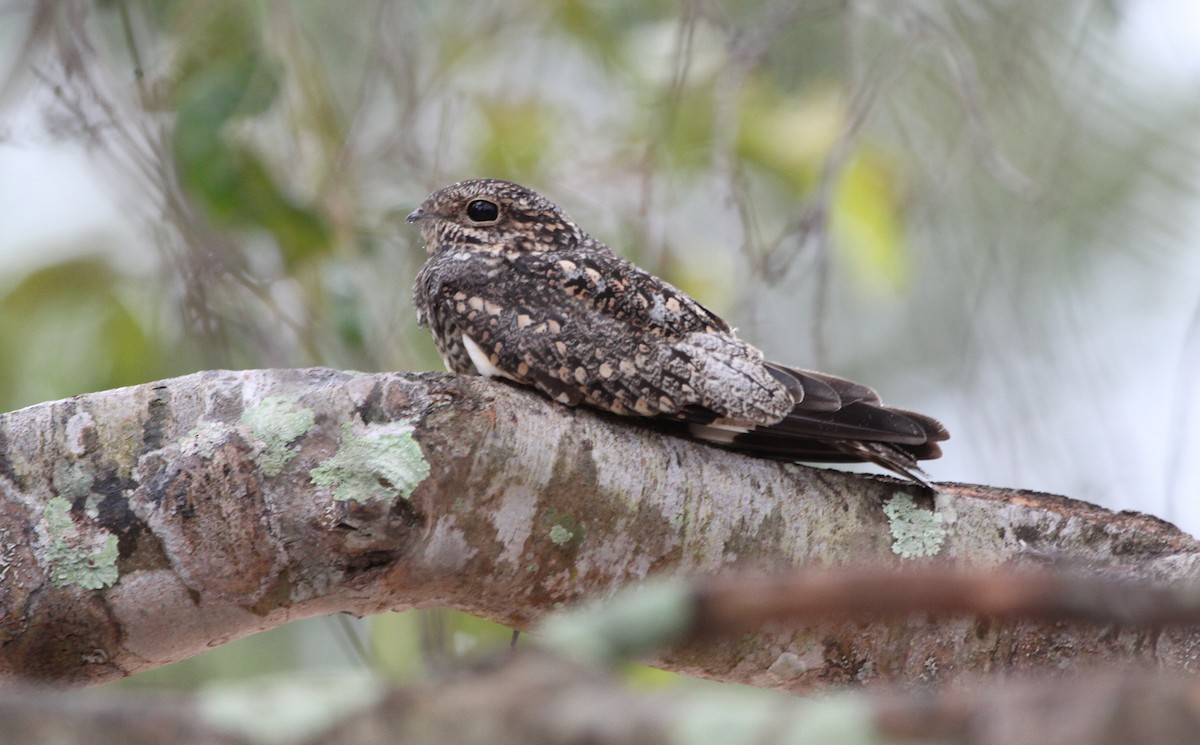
{"x":203,"y":439}
{"x":560,"y":535}
{"x":87,"y":561}
{"x":564,"y":528}
{"x":72,"y":479}
{"x":917,"y":532}
{"x":295,"y":709}
{"x":275,"y":422}
{"x":742,"y":716}
{"x":636,"y":621}
{"x":373,"y":462}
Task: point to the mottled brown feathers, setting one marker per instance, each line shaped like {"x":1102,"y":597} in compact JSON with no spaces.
{"x":514,"y":289}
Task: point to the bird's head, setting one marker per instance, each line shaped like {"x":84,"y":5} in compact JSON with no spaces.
{"x":492,"y":214}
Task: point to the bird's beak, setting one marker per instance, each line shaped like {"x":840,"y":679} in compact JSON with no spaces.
{"x":415,"y":215}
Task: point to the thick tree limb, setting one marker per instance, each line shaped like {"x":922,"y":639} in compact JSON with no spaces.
{"x":142,"y":525}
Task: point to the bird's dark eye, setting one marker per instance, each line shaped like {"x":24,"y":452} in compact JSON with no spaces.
{"x":481,"y":210}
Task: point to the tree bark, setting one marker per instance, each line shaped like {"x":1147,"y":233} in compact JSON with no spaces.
{"x":142,"y":525}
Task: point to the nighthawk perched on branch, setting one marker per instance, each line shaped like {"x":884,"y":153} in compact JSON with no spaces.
{"x":514,"y":289}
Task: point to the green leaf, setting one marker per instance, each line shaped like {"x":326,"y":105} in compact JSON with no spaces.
{"x":867,"y":225}
{"x":789,"y":137}
{"x":224,"y":80}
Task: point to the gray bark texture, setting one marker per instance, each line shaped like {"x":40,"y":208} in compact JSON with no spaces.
{"x":142,"y":525}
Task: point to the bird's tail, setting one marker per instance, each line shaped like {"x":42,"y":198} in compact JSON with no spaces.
{"x":834,"y":421}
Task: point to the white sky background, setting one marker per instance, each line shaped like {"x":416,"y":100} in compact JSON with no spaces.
{"x":54,"y":202}
{"x":1164,"y":37}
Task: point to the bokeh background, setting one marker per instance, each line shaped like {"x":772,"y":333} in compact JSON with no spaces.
{"x":987,"y":209}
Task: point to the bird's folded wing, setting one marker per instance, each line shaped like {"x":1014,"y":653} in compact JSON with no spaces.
{"x":576,"y":349}
{"x":612,"y":286}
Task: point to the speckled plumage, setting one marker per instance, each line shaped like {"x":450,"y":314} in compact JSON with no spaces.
{"x":514,"y":289}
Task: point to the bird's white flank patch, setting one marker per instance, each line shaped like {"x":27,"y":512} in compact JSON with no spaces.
{"x":719,"y":433}
{"x":483,"y":365}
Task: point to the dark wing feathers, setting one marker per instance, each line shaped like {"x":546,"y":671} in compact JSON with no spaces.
{"x":857,"y":420}
{"x":854,"y":427}
{"x":814,"y":391}
{"x":847,"y":390}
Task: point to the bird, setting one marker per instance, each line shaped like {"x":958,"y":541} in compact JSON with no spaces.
{"x":513,"y":289}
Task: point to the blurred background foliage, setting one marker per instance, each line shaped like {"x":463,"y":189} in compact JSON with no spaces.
{"x":985,"y":208}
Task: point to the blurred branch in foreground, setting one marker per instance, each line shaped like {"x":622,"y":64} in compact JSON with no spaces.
{"x":539,"y":695}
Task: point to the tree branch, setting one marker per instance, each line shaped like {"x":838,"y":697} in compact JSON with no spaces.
{"x":538,"y":698}
{"x":142,"y":525}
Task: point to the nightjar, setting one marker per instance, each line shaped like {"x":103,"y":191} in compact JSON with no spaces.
{"x":514,"y":289}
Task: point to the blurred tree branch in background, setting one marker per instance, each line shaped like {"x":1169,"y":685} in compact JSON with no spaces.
{"x":1102,"y":709}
